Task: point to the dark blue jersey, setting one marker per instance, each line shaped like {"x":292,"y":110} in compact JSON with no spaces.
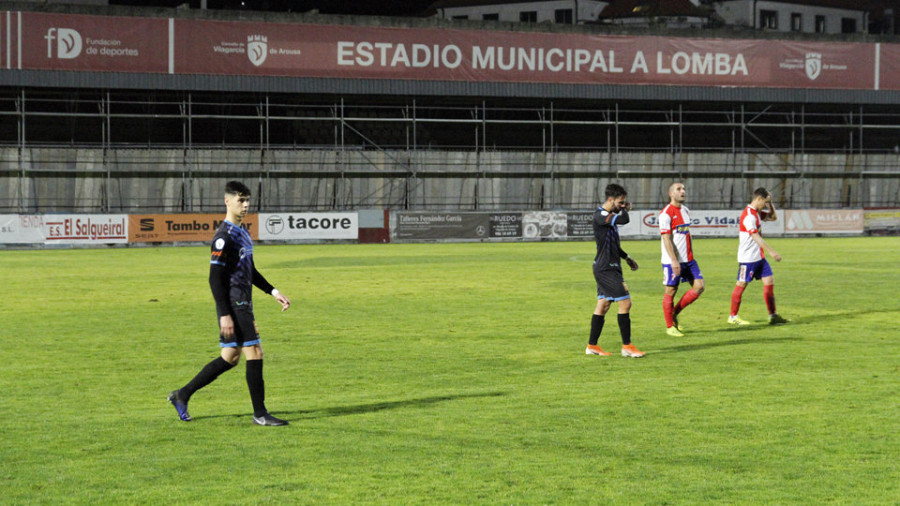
{"x":606,"y":233}
{"x":232,"y":273}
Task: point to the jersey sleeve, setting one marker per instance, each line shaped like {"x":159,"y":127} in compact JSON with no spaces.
{"x":218,"y":276}
{"x":260,"y":282}
{"x":750,"y":224}
{"x":665,"y":223}
{"x":218,"y":252}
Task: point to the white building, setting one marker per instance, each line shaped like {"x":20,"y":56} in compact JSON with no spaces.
{"x":807,"y":16}
{"x":552,"y":11}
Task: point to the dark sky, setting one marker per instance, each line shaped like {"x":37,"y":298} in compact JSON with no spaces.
{"x":362,"y":7}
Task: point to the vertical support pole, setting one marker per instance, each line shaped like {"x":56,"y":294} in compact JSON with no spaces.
{"x":21,"y":152}
{"x":552,"y":129}
{"x":617,"y":127}
{"x":803,"y":129}
{"x":188,"y":187}
{"x":105,"y":203}
{"x":743,"y":130}
{"x":340,"y":200}
{"x":861,"y":129}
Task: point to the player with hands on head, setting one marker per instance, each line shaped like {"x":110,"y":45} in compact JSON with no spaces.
{"x":752,"y":263}
{"x":607,"y":266}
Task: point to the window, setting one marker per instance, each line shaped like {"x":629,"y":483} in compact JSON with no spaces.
{"x":463,"y":16}
{"x":768,"y":20}
{"x":490,"y":17}
{"x":563,"y":16}
{"x":820,"y":24}
{"x":796,"y":22}
{"x":528,"y":16}
{"x":848,"y":25}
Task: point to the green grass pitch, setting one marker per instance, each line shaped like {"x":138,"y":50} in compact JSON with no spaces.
{"x":452,"y":374}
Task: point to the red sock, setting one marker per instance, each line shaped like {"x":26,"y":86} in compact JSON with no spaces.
{"x":736,"y":299}
{"x":686,"y":299}
{"x":769,"y":294}
{"x":668,"y":309}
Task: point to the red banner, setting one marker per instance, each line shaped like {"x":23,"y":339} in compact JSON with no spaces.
{"x":92,"y":43}
{"x":889,"y":66}
{"x":30,"y":40}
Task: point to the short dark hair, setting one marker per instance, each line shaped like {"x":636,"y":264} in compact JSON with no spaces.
{"x":614,"y":191}
{"x":237,"y":188}
{"x":761,"y":192}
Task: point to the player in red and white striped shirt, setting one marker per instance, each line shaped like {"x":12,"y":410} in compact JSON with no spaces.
{"x":677,"y":258}
{"x":752,"y":263}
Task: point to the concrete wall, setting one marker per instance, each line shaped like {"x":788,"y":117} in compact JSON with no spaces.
{"x":174,"y":180}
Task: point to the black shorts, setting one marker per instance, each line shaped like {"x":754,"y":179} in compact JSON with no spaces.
{"x":246,"y":332}
{"x":611,"y":285}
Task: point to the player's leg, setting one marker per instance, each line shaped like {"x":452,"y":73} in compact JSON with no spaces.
{"x":254,"y":365}
{"x":253,"y":353}
{"x":670,"y":283}
{"x":745,"y":275}
{"x":597,"y":320}
{"x":599,"y":316}
{"x":691,"y":274}
{"x":179,"y":398}
{"x":226,"y":360}
{"x":624,"y":317}
{"x":768,"y":281}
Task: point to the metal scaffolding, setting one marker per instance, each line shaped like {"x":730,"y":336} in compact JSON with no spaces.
{"x":385,"y":137}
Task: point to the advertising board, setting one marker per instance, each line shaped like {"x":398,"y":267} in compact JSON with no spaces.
{"x":308,"y":226}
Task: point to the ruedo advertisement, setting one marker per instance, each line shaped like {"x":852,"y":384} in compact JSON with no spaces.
{"x":182,"y":227}
{"x":35,"y":40}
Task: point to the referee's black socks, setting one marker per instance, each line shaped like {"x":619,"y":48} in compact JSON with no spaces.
{"x":625,"y":327}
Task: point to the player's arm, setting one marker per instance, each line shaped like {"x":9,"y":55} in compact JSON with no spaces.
{"x":630,"y":261}
{"x":764,"y":245}
{"x":665,"y":231}
{"x":669,"y":244}
{"x":260,"y":282}
{"x":770,"y":215}
{"x":218,"y":283}
{"x":623,"y":218}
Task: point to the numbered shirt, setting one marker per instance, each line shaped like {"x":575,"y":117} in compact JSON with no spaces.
{"x":748,"y":250}
{"x":676,"y":221}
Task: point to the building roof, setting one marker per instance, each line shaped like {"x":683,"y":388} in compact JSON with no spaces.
{"x":653,"y":8}
{"x":445,"y":4}
{"x":853,"y":5}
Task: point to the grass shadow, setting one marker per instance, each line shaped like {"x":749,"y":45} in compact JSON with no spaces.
{"x":806,"y":320}
{"x":358,"y":409}
{"x":717,"y":344}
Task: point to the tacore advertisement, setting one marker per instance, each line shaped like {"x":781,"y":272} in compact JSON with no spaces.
{"x":308,"y":226}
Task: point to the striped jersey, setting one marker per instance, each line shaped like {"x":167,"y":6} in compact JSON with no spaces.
{"x":676,"y":221}
{"x":748,"y":250}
